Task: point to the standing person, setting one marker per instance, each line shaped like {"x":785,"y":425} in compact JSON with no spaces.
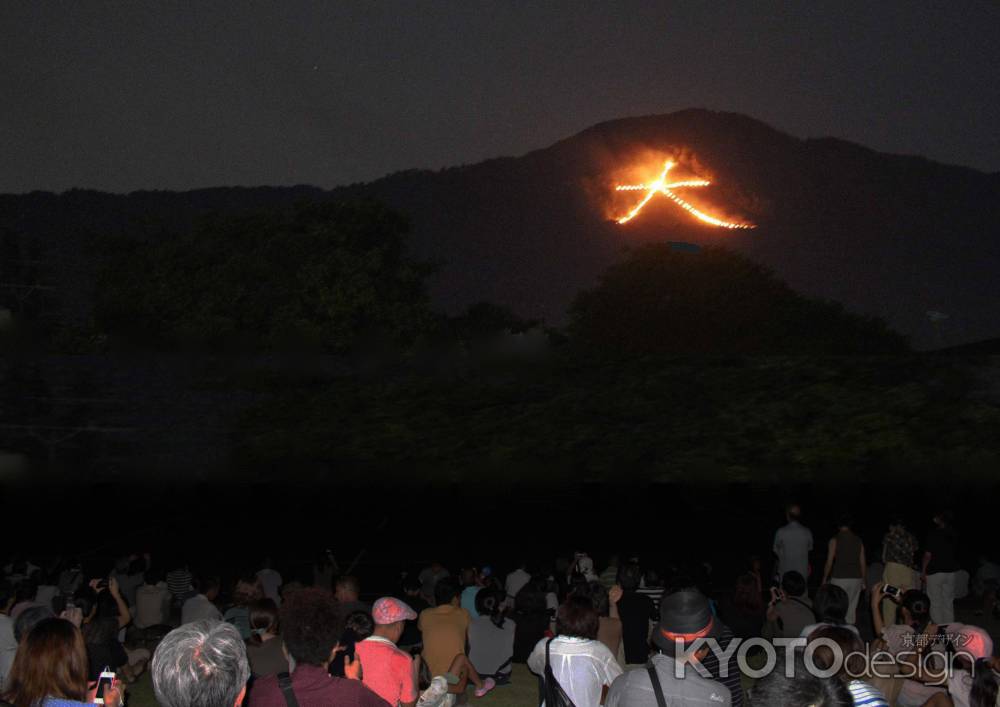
{"x":792,"y":544}
{"x":940,"y":563}
{"x":637,"y":613}
{"x":581,"y":664}
{"x":385,"y":669}
{"x":899,"y":551}
{"x":845,"y":565}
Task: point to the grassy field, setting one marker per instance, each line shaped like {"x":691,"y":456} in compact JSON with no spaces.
{"x":521,"y":692}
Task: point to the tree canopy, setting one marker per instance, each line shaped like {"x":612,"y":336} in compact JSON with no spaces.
{"x":327,"y":277}
{"x":663,"y":301}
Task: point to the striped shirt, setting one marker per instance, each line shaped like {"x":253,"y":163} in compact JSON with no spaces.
{"x":179,"y":582}
{"x":864,"y":694}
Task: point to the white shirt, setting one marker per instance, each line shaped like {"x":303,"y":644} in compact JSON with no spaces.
{"x":270,"y":582}
{"x":199,"y":607}
{"x":792,"y":545}
{"x":581,"y":666}
{"x":516,"y":581}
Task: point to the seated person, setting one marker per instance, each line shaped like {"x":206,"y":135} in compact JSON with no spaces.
{"x":445,"y":629}
{"x":309,"y":630}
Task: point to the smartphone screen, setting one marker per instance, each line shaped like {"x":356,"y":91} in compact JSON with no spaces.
{"x":106,"y":680}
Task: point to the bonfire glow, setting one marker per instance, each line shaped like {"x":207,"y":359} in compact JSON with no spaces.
{"x":661,"y":186}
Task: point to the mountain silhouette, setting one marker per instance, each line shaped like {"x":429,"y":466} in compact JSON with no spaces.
{"x":900,"y":237}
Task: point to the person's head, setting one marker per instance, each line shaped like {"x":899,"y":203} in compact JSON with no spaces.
{"x":943,"y":518}
{"x":831,"y":604}
{"x":29,"y":618}
{"x":845,"y":520}
{"x":201,"y":664}
{"x":100,"y":631}
{"x":264,"y":617}
{"x":246,"y":591}
{"x":793,"y":511}
{"x":390,"y":616}
{"x":896,"y":520}
{"x":793,"y":584}
{"x":915,"y":608}
{"x":26,"y":590}
{"x":577,"y":617}
{"x":985,"y":686}
{"x":51,"y":661}
{"x":629,"y":576}
{"x":347,"y":588}
{"x":359,"y":624}
{"x":800,"y":688}
{"x":746,"y":595}
{"x":838,"y":646}
{"x":153,"y":576}
{"x":411,"y":585}
{"x":310,"y":626}
{"x":209,"y":586}
{"x":652,"y":577}
{"x":469,"y":577}
{"x":491,"y":602}
{"x":686,"y":617}
{"x":446,"y":591}
{"x":597,"y":594}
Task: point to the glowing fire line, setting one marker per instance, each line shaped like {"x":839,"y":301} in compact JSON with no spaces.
{"x":661,"y":186}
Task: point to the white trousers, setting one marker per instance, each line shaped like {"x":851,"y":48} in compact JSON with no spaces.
{"x":941,"y":590}
{"x":853,"y":589}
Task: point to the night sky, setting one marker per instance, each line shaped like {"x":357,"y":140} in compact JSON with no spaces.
{"x":139,"y":95}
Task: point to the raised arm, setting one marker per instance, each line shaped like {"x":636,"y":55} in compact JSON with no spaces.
{"x":877,"y":595}
{"x":864,"y":568}
{"x":124,"y":615}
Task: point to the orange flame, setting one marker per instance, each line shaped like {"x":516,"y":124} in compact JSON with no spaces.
{"x":661,"y":186}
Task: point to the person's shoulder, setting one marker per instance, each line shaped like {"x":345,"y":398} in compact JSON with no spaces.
{"x":265,"y":688}
{"x":353,"y":691}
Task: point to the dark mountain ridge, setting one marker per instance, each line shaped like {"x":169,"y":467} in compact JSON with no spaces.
{"x":887,"y":235}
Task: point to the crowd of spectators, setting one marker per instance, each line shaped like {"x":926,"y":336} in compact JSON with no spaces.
{"x":635,"y":634}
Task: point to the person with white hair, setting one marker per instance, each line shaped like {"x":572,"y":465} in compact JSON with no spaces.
{"x":201,"y":664}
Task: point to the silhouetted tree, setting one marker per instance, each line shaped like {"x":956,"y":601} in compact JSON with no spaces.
{"x":328,"y":277}
{"x":664,"y":301}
